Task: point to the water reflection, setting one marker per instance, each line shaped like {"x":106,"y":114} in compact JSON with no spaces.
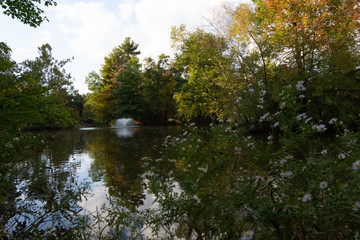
{"x":108,"y":159}
{"x":124,"y":132}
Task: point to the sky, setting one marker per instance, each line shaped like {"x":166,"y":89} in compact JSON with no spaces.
{"x":89,"y":30}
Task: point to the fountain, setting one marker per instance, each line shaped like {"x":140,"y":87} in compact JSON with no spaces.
{"x":124,"y":122}
{"x":124,"y":127}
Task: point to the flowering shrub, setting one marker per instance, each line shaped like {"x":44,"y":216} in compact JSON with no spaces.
{"x":300,"y":181}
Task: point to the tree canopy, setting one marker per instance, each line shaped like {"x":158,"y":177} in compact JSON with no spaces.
{"x":27,"y":11}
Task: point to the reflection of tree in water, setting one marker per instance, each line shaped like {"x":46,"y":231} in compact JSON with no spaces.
{"x":46,"y":174}
{"x":117,"y":160}
{"x":40,"y":177}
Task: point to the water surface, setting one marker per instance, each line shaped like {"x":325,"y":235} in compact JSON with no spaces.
{"x":108,"y":159}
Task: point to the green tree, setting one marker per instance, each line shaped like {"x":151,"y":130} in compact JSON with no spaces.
{"x":129,"y":100}
{"x":203,"y":58}
{"x":91,"y":105}
{"x":50,"y":74}
{"x":104,"y":102}
{"x":21,"y":97}
{"x":27,"y":11}
{"x":317,"y":43}
{"x":158,"y":90}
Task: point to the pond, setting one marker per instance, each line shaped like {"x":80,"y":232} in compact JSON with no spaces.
{"x":209,"y":183}
{"x":107,"y":162}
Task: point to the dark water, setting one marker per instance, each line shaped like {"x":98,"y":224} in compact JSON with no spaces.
{"x":108,"y":159}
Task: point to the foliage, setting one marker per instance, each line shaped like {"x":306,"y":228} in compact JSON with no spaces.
{"x":50,"y":75}
{"x":201,"y":55}
{"x":129,"y":100}
{"x":27,"y":12}
{"x":158,"y":90}
{"x":34,"y":94}
{"x":312,"y":39}
{"x":102,"y":101}
{"x":124,"y":89}
{"x":225,"y":182}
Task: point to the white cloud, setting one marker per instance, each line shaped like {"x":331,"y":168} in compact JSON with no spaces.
{"x":91,"y":27}
{"x":126,"y":8}
{"x":94,"y":30}
{"x":156,"y":17}
{"x":45,"y":37}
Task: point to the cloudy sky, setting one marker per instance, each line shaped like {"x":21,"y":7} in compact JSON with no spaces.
{"x":88,"y":30}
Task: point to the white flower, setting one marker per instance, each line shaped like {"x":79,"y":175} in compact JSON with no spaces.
{"x":300,"y":86}
{"x":251,"y":90}
{"x":247,"y":235}
{"x":320,"y":128}
{"x":238,"y":99}
{"x":283,"y":161}
{"x":307,"y":197}
{"x":323,"y":185}
{"x":204,"y":170}
{"x":9,"y":145}
{"x":307,"y":120}
{"x":356,"y":206}
{"x":251,"y":145}
{"x":261,"y":82}
{"x":282,"y":105}
{"x":288,"y":157}
{"x":275,"y":124}
{"x":332,"y":121}
{"x":237,"y":149}
{"x":323,"y":152}
{"x":269,"y":179}
{"x":341,"y":156}
{"x":197,"y":199}
{"x":262,"y":118}
{"x":301,"y":116}
{"x":262,"y":93}
{"x":356,"y":165}
{"x":63,"y":194}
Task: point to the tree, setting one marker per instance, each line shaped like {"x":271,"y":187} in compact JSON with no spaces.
{"x":248,"y":43}
{"x":50,"y":74}
{"x":130,"y":103}
{"x":20,"y":95}
{"x":317,"y":42}
{"x":202,"y":56}
{"x":30,"y":96}
{"x":96,"y":107}
{"x":27,"y":11}
{"x":158,"y":90}
{"x":106,"y":102}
